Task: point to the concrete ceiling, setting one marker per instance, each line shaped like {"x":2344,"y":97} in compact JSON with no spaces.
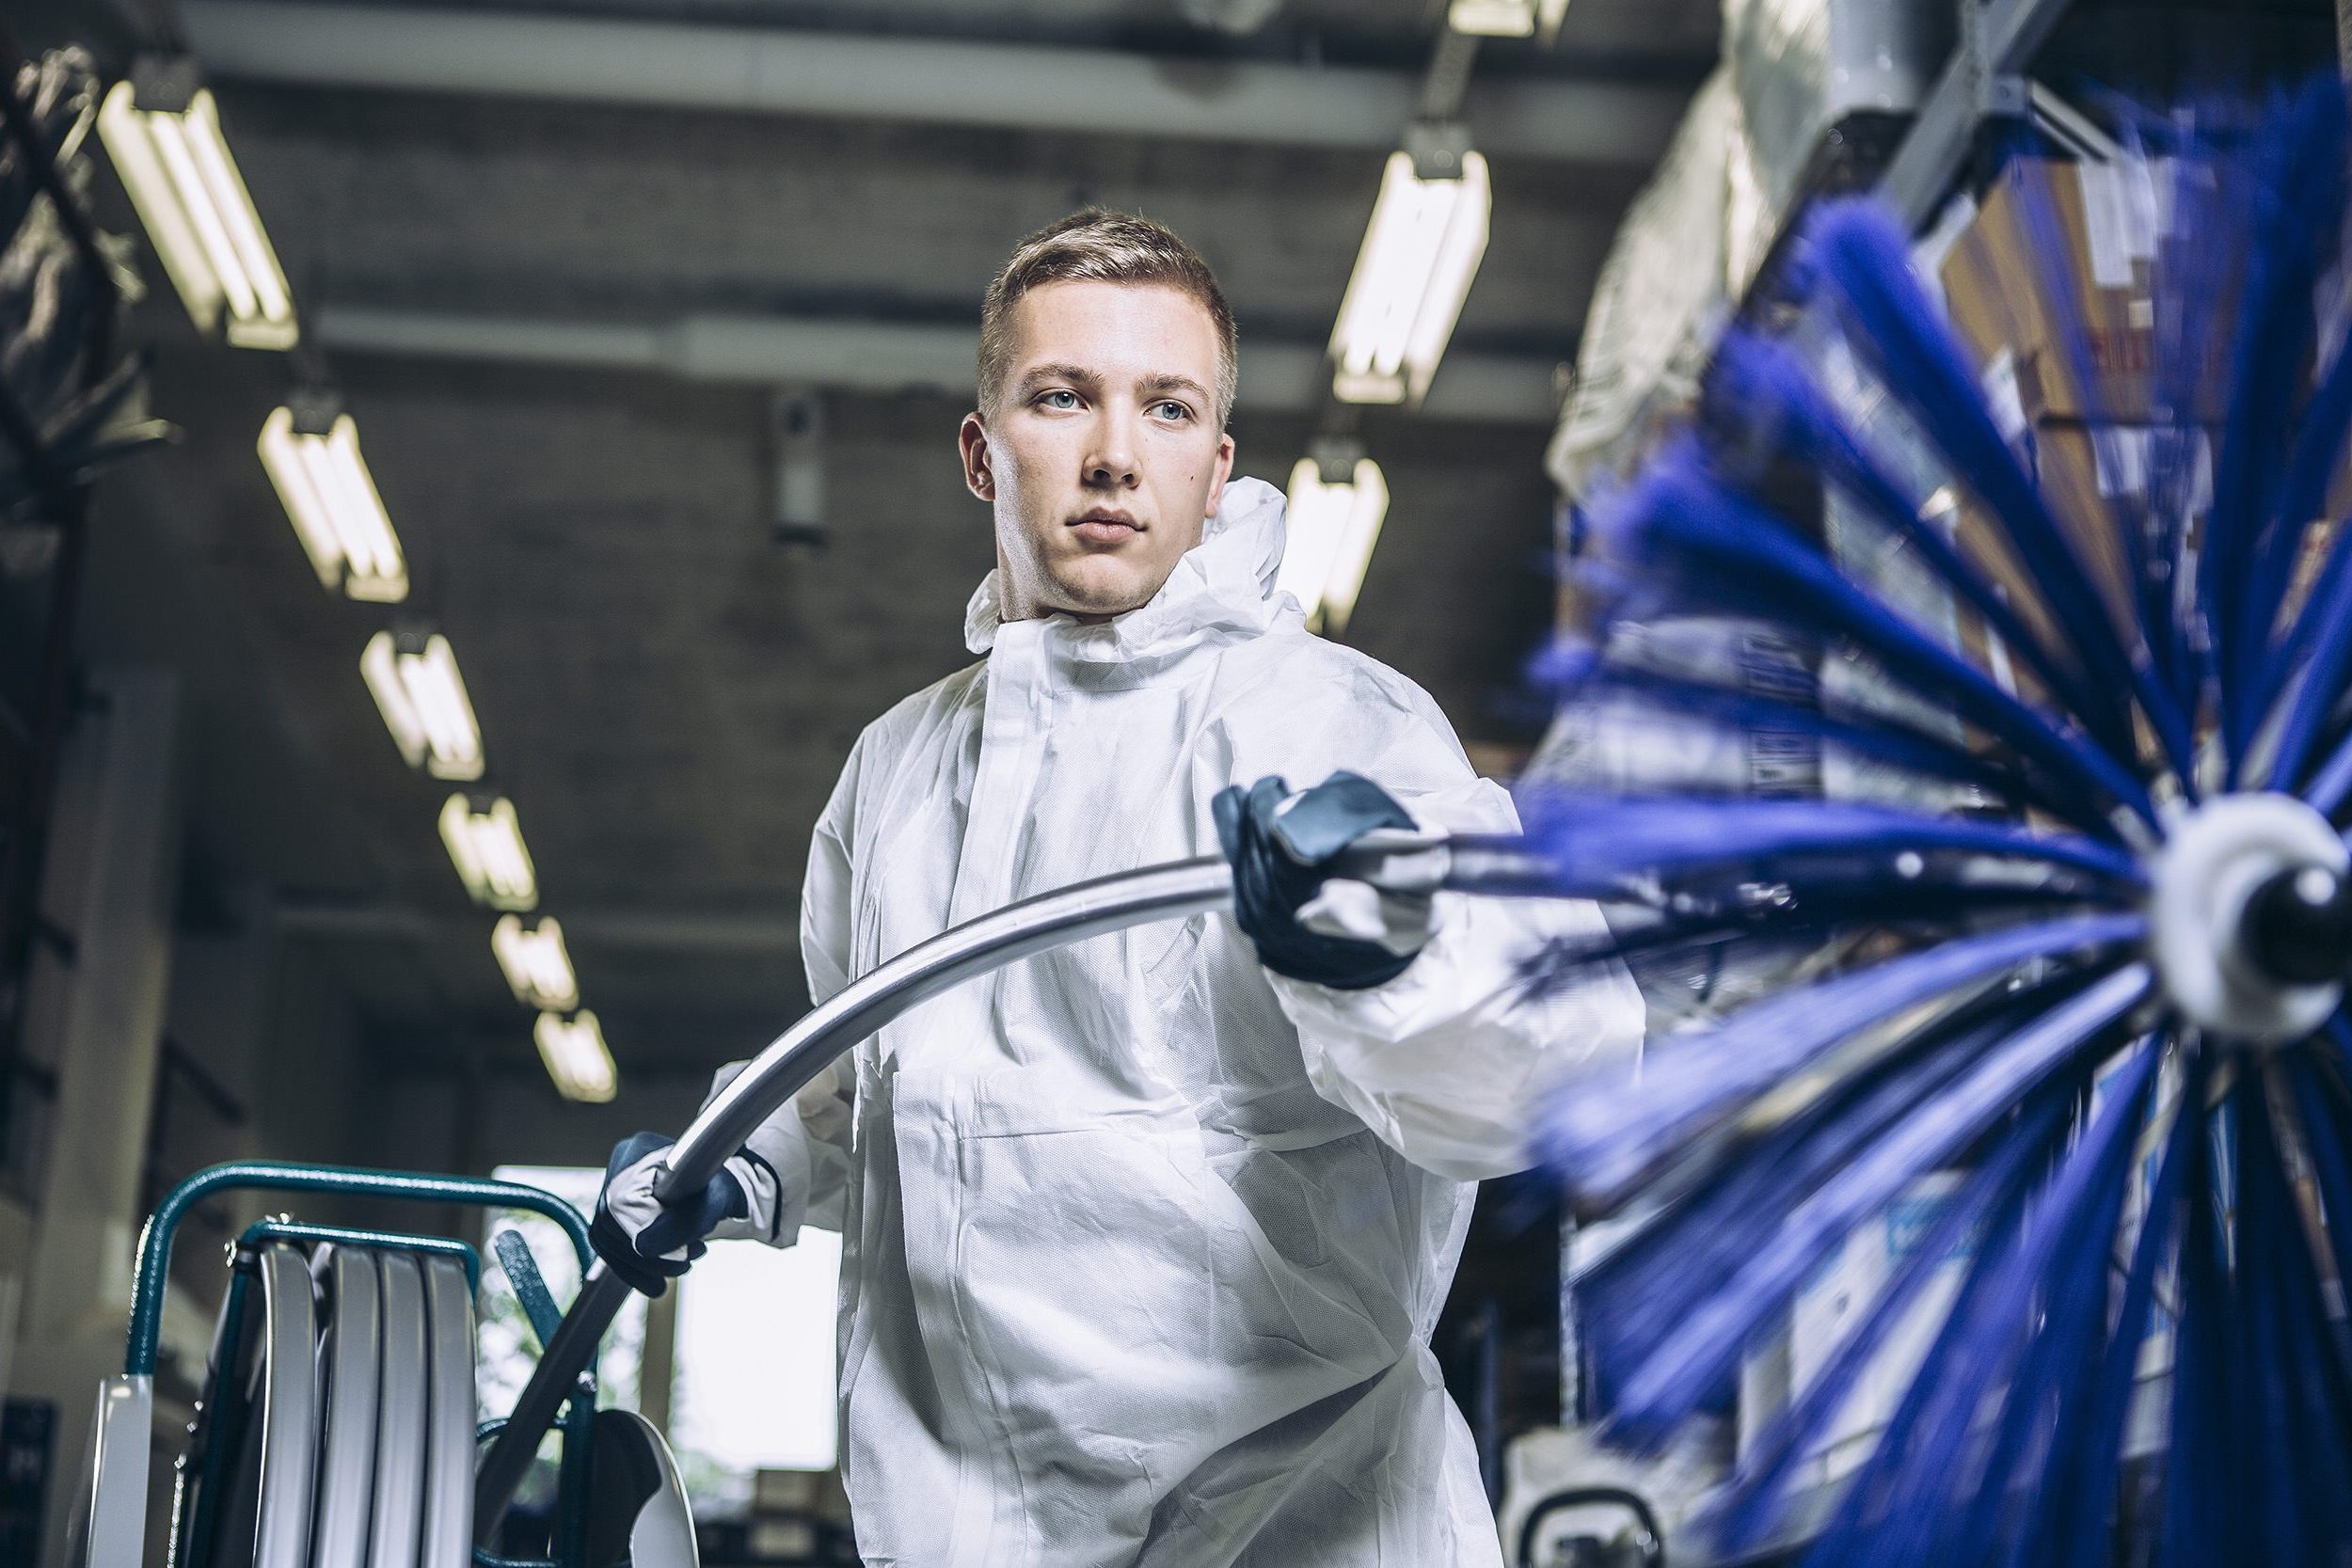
{"x":667,"y":690}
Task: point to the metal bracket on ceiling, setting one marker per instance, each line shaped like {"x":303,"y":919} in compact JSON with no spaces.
{"x":796,"y":432}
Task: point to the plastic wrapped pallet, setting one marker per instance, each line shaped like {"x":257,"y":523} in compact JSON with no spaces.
{"x":1800,"y":67}
{"x":1664,"y":274}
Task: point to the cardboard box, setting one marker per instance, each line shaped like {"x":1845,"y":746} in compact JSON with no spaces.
{"x":2051,"y":287}
{"x":2056,"y":274}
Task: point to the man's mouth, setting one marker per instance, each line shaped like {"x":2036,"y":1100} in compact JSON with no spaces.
{"x":1106,"y":526}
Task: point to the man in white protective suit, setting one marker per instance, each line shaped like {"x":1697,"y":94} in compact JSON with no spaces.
{"x":1144,"y":1238}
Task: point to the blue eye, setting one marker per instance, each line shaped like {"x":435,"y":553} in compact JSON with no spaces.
{"x":1172,"y":410}
{"x":1069,"y":396}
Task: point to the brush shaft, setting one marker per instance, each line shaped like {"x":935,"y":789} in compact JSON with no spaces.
{"x":2297,"y":927}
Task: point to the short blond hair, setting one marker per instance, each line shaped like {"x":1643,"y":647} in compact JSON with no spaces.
{"x":1111,"y":247}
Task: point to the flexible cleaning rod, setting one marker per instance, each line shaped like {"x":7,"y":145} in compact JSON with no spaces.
{"x":1391,"y":861}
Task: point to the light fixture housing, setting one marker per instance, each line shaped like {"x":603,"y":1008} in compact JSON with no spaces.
{"x":577,"y":1057}
{"x":1337,"y":499}
{"x":485,"y":839}
{"x":1421,"y":253}
{"x":535,"y":963}
{"x":162,"y":129}
{"x":1507,"y":19}
{"x":413,"y":676}
{"x":311,"y":448}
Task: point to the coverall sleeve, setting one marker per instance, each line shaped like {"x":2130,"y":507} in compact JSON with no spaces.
{"x":1450,"y":1061}
{"x":807,"y":1139}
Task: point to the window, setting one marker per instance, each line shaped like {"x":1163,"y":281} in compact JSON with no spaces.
{"x":754,"y":1385}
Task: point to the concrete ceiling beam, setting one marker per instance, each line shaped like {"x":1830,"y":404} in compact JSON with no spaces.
{"x":873,"y":356}
{"x":936,"y":81}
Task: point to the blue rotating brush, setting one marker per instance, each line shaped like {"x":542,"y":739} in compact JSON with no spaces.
{"x":2098,"y":975}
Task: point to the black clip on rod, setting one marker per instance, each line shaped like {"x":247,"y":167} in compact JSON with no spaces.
{"x":1398,"y":861}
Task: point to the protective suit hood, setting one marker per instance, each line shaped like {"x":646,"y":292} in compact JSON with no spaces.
{"x":1221,"y":591}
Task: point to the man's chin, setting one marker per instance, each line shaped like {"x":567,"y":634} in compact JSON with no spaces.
{"x":1099,"y":593}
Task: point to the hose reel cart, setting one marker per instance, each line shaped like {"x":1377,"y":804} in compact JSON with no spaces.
{"x":337,"y":1423}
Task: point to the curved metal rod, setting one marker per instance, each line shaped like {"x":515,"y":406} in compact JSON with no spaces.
{"x":800,"y":1053}
{"x":1397,"y":861}
{"x":881,"y":995}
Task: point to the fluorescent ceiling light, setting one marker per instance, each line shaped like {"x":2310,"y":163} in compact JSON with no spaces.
{"x":1419,"y":254}
{"x":1330,"y":530}
{"x":177,"y":167}
{"x":485,"y":844}
{"x":535,"y":963}
{"x":577,"y":1056}
{"x":327,"y":491}
{"x":422,"y":697}
{"x":1507,"y":19}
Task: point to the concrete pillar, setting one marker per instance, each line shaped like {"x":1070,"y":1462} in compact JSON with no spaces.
{"x":114,"y":857}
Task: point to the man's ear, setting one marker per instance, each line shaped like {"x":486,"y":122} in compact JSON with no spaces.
{"x":979,"y":471}
{"x":1224,"y":472}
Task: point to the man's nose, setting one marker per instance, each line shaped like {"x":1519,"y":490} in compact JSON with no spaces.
{"x":1111,"y":463}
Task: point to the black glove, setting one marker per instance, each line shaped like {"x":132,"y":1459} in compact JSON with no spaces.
{"x":645,"y":1241}
{"x":1280,"y":864}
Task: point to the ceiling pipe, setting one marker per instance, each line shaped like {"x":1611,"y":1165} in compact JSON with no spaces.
{"x":874,"y":356}
{"x":935,"y":81}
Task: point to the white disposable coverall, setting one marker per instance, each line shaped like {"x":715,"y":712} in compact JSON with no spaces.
{"x":1142,"y":1245}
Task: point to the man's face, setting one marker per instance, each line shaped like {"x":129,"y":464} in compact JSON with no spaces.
{"x":1104,"y":456}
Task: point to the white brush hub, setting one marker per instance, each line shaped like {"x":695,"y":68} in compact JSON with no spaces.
{"x":2211,"y":863}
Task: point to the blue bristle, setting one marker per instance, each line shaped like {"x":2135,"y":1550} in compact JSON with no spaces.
{"x":1861,"y":259}
{"x":2330,"y":1167}
{"x":2331,"y":780}
{"x":1899,"y":1505}
{"x":2200,"y":1468}
{"x":2049,"y":278}
{"x":2319,"y":447}
{"x":2075,"y":1513}
{"x":1776,"y":391}
{"x":1751,"y":1147}
{"x":1573,"y":670}
{"x":1635,"y":1295}
{"x":1743,"y":555}
{"x":1902,"y":1508}
{"x":1986,"y":1202}
{"x":1705,"y":1343}
{"x":1600,"y":1147}
{"x":2049,"y":1397}
{"x":1595,"y":845}
{"x":2296,"y":187}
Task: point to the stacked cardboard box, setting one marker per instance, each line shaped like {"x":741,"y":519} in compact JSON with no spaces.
{"x":2054,"y":288}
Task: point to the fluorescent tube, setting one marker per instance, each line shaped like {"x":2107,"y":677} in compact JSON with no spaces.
{"x":1507,"y":19}
{"x":379,"y":666}
{"x":182,"y":178}
{"x":422,"y":697}
{"x":485,"y":844}
{"x":1419,"y":254}
{"x":535,"y":964}
{"x":1330,"y":531}
{"x":332,"y":500}
{"x":577,"y":1057}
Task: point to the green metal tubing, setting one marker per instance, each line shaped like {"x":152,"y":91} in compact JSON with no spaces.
{"x":146,"y":1303}
{"x":438,"y":1246}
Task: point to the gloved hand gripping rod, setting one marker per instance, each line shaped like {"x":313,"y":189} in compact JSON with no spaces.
{"x":1393,"y":861}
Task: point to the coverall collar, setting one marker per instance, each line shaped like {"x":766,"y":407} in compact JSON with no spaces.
{"x":1221,"y":591}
